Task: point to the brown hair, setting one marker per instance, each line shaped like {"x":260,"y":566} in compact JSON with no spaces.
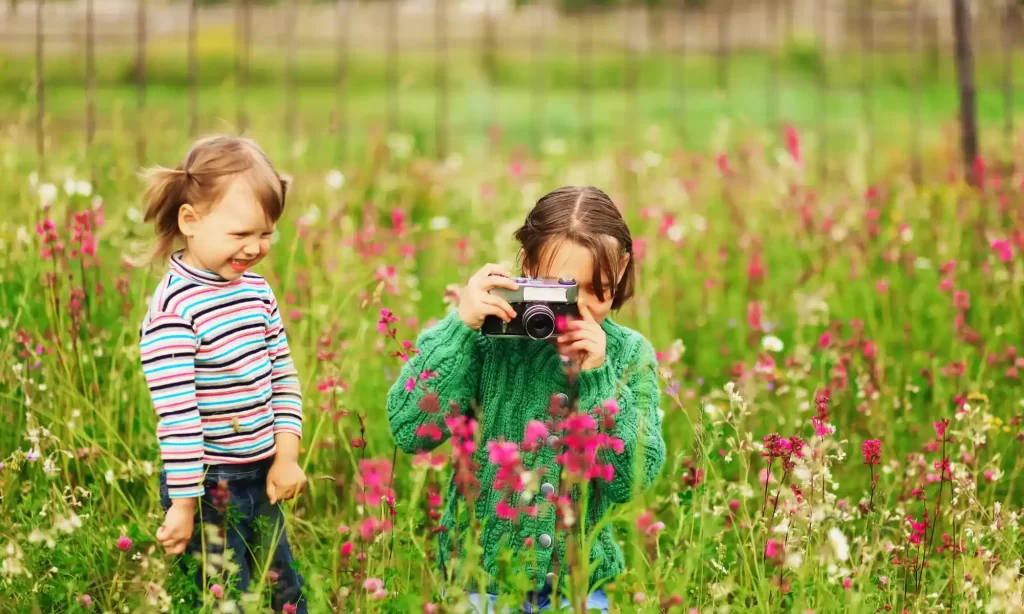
{"x":587,"y":216}
{"x":201,"y":179}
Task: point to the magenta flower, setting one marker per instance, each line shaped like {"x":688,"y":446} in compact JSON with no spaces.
{"x":872,"y":451}
{"x":217,"y":591}
{"x":289,"y":608}
{"x":124,"y":543}
{"x":536,"y":431}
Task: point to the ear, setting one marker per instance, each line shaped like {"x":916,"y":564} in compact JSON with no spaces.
{"x":188,"y":218}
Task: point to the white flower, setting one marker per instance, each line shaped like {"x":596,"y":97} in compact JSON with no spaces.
{"x":840,"y":547}
{"x":134,"y":215}
{"x":438,"y":222}
{"x":70,"y":186}
{"x":84,"y":188}
{"x":675,"y":233}
{"x":47,"y":192}
{"x":335,"y":180}
{"x":311,"y":216}
{"x":652,"y":158}
{"x":771,"y":343}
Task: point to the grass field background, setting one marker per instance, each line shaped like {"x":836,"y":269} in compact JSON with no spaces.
{"x":875,"y":306}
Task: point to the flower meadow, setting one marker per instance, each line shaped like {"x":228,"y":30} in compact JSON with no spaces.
{"x":840,"y":369}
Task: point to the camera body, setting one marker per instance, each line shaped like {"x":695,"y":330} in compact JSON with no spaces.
{"x":538,"y":303}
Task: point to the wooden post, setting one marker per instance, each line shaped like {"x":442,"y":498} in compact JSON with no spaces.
{"x":193,"y":67}
{"x":822,"y":15}
{"x":539,"y":81}
{"x":344,"y":27}
{"x":290,"y":94}
{"x":490,"y":66}
{"x":965,"y":77}
{"x":631,"y":68}
{"x":40,"y":90}
{"x":867,"y":36}
{"x":441,"y":78}
{"x":243,"y":58}
{"x":140,"y":83}
{"x":90,"y":82}
{"x":678,"y":72}
{"x":771,"y":95}
{"x":1008,"y":77}
{"x":724,"y":11}
{"x":915,"y":92}
{"x":583,"y":74}
{"x":392,"y":33}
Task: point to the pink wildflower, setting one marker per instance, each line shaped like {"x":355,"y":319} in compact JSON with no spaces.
{"x":124,"y":543}
{"x":872,"y":451}
{"x":217,"y":591}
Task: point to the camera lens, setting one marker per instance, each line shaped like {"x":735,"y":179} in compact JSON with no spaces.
{"x":539,"y":321}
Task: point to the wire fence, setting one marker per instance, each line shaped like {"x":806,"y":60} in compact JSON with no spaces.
{"x":918,"y":31}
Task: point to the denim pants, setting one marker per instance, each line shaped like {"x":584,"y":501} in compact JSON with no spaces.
{"x":248,"y":523}
{"x":537,"y":602}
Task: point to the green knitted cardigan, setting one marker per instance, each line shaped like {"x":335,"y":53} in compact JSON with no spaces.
{"x":505,"y":383}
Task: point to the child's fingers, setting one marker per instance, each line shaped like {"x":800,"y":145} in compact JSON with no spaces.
{"x":501,"y":305}
{"x":497,"y":281}
{"x":583,"y":346}
{"x":271,"y":493}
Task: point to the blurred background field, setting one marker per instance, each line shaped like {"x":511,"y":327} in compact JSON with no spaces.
{"x":814,"y":249}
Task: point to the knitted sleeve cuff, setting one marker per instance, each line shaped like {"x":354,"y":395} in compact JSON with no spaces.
{"x":596,"y":385}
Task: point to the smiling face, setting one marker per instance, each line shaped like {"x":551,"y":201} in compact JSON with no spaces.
{"x":229,"y":237}
{"x":596,"y":279}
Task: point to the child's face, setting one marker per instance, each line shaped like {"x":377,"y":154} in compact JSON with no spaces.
{"x":570,"y":259}
{"x":229,"y":238}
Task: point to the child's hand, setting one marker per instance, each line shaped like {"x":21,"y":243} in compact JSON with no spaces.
{"x":477,"y":303}
{"x":584,"y":341}
{"x":284,"y":480}
{"x":179,"y":522}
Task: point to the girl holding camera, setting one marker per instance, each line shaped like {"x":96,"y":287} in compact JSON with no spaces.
{"x":506,"y":383}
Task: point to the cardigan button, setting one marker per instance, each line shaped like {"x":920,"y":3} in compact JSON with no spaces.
{"x":544,"y":541}
{"x":547,"y":489}
{"x":563,"y":400}
{"x":552,"y":441}
{"x":550,"y":579}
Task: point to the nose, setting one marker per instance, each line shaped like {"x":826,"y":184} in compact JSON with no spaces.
{"x":252,"y":249}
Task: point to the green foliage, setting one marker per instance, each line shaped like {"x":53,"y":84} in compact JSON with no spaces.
{"x":856,"y":295}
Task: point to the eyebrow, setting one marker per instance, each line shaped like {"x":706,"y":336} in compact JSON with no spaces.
{"x":249,"y":231}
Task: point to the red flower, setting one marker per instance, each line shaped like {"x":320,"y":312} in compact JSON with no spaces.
{"x":872,"y":451}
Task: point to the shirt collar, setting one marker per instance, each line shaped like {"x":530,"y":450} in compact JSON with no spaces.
{"x":196,"y":274}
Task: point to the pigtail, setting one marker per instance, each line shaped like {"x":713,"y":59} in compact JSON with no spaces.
{"x":166,"y":190}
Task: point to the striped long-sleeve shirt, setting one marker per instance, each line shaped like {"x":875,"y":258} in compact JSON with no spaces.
{"x":220,"y":374}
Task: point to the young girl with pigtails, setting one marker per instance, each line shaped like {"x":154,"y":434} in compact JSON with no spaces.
{"x":216,"y":359}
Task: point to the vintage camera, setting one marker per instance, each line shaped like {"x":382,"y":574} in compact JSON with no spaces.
{"x":539,"y":303}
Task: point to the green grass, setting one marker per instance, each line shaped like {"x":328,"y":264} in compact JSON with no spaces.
{"x":854,"y":291}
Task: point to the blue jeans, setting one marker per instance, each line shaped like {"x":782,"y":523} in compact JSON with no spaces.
{"x":248,"y":523}
{"x":537,"y":602}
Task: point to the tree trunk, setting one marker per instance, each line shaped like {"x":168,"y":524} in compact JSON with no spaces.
{"x":965,"y":76}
